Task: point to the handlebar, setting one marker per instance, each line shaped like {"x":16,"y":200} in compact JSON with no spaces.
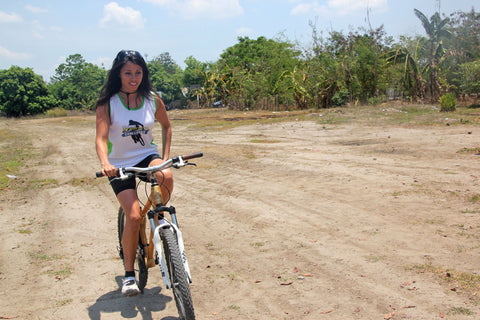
{"x":176,"y":162}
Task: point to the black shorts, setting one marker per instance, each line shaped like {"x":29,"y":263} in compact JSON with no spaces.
{"x":121,"y":185}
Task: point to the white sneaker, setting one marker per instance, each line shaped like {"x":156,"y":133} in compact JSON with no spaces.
{"x":129,"y":287}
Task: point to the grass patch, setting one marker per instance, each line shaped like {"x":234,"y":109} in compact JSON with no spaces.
{"x":63,"y":302}
{"x":56,"y":112}
{"x":460,"y":310}
{"x":469,"y":150}
{"x":41,"y":183}
{"x":474,"y":198}
{"x":264,"y":141}
{"x":373,"y":258}
{"x":62,"y":273}
{"x":16,"y":149}
{"x":257,"y":244}
{"x":234,"y":307}
{"x":458,"y":281}
{"x":85,"y":182}
{"x":42,"y":257}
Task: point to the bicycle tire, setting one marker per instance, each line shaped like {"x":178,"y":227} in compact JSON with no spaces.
{"x":178,"y":276}
{"x":141,"y":270}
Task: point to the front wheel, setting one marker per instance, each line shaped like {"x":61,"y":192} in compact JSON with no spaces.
{"x":141,"y":271}
{"x":178,"y":276}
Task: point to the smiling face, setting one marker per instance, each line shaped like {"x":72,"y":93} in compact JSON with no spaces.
{"x":131,"y":76}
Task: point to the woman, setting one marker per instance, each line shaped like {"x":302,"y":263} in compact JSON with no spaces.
{"x":126,"y":111}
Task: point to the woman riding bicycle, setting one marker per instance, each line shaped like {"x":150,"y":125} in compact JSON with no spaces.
{"x":126,"y":111}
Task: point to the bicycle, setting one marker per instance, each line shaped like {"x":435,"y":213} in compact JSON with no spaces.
{"x":168,"y":249}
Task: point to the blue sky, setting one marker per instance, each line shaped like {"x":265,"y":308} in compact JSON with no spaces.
{"x":41,"y":34}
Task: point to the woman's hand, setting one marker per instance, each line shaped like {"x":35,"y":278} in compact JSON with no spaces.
{"x":109,"y":170}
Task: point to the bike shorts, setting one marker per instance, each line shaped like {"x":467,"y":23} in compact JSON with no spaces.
{"x":131,"y":183}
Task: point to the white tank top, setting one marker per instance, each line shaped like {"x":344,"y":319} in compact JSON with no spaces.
{"x":130,"y":138}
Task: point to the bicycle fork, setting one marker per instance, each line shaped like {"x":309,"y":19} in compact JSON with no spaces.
{"x":157,"y":242}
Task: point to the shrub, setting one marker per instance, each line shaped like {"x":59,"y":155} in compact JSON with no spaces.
{"x":56,"y":112}
{"x":448,"y":102}
{"x":22,"y":92}
{"x":340,"y":98}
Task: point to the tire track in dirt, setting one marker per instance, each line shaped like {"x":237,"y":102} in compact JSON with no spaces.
{"x":329,"y":238}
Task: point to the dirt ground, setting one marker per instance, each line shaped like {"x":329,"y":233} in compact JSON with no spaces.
{"x":282,"y":220}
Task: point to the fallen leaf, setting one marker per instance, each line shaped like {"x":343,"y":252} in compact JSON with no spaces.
{"x":325,"y":312}
{"x":258,"y":281}
{"x":286,"y":283}
{"x":295,"y":270}
{"x":389,"y":316}
{"x":307,"y":274}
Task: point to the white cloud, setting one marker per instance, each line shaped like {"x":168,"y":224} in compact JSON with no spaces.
{"x":9,"y":18}
{"x":5,"y":53}
{"x":115,"y":16}
{"x":192,"y":9}
{"x":338,"y":7}
{"x":35,"y":9}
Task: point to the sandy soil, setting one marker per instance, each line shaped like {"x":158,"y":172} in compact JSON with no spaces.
{"x":288,"y":220}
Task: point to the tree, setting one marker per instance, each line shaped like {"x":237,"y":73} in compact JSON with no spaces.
{"x":436,"y":31}
{"x":411,"y":74}
{"x":470,"y":75}
{"x":166,"y":77}
{"x":22,"y":92}
{"x":465,"y":42}
{"x":258,"y":67}
{"x":77,"y":83}
{"x":193,"y":73}
{"x":463,"y":49}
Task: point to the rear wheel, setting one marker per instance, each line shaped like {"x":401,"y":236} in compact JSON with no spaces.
{"x":178,"y":276}
{"x":141,"y":271}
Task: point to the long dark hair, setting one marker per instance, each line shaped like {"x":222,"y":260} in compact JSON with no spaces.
{"x":113,"y":84}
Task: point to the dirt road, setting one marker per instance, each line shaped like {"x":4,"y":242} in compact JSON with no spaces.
{"x":282,"y":220}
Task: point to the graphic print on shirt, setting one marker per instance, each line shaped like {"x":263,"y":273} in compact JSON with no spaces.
{"x":135,"y":130}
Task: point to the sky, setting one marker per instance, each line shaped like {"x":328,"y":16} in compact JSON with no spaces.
{"x":41,"y":34}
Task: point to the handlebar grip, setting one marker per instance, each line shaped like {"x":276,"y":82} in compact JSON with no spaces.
{"x":99,"y":174}
{"x":193,"y":155}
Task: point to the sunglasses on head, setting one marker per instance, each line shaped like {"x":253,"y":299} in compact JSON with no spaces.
{"x":128,"y":53}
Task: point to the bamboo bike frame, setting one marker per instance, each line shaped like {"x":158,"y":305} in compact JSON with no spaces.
{"x":153,"y":199}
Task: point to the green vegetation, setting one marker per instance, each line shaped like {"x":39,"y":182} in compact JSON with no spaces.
{"x":460,"y":310}
{"x":16,"y":150}
{"x":363,"y":66}
{"x":448,"y":102}
{"x":452,"y":280}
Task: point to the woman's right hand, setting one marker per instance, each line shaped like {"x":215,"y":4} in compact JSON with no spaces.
{"x":109,"y":170}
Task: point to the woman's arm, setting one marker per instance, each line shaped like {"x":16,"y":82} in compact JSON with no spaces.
{"x":101,"y":140}
{"x":162,"y":118}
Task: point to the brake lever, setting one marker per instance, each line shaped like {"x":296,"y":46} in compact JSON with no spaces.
{"x":182,"y":163}
{"x":122,"y":176}
{"x":179,"y":163}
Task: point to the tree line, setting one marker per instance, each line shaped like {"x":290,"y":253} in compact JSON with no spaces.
{"x":361,"y":66}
